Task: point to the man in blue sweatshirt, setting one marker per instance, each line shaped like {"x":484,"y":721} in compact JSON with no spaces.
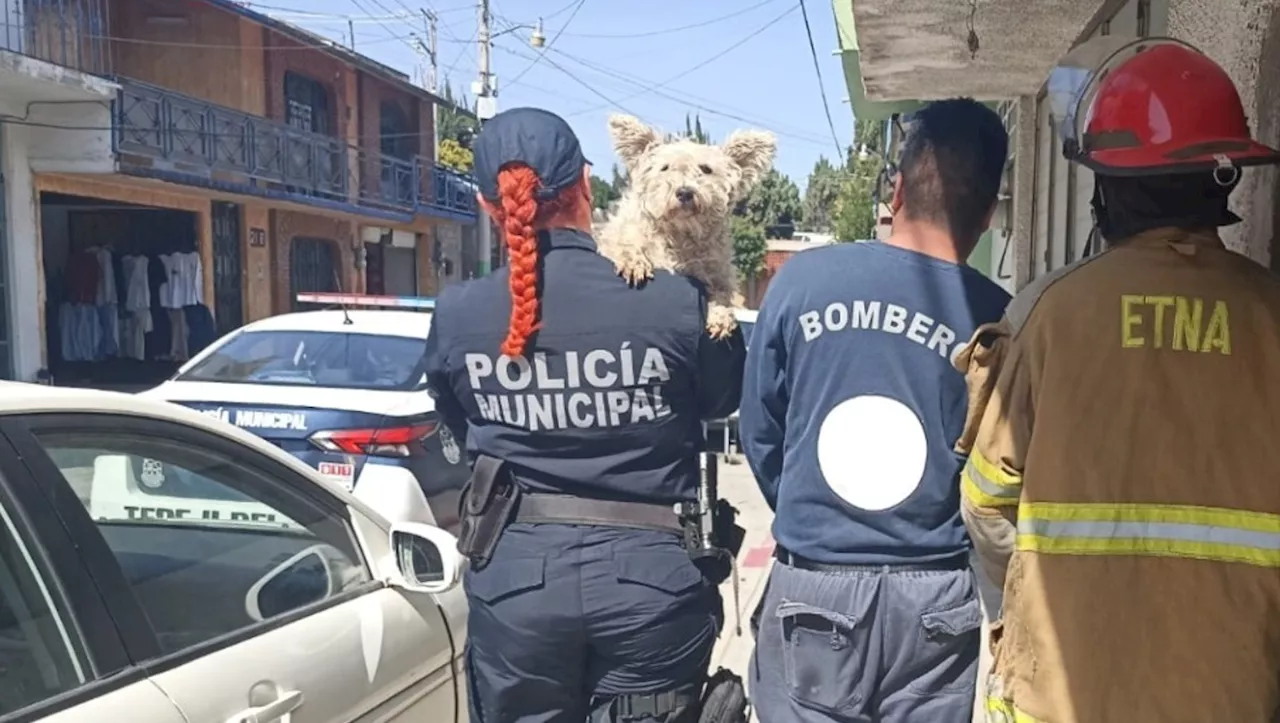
{"x":849,"y":412}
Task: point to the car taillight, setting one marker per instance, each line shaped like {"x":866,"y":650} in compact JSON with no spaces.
{"x":384,"y":442}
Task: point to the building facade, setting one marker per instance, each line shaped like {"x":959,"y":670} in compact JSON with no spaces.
{"x":280,"y":160}
{"x":894,"y":58}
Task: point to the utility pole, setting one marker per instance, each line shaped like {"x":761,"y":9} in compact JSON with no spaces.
{"x":351,"y":29}
{"x":486,"y":108}
{"x":434,"y":49}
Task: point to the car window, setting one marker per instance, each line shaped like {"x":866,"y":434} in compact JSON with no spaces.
{"x":313,"y":358}
{"x":37,"y":657}
{"x":208,"y":542}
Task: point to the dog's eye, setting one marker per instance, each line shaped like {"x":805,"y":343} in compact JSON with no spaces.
{"x":705,"y":169}
{"x":664,"y":167}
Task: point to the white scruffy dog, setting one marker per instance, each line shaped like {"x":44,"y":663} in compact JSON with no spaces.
{"x":675,"y":212}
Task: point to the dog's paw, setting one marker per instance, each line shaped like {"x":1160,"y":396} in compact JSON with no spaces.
{"x":635,"y":269}
{"x":720,"y":321}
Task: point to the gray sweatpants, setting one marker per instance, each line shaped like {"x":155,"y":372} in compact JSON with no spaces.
{"x":868,"y":645}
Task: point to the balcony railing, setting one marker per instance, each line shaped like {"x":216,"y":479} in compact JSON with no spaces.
{"x":71,"y":33}
{"x":173,"y":133}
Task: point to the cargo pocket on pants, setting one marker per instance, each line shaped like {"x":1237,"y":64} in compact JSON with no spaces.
{"x":501,"y":579}
{"x":825,"y":654}
{"x":948,"y":648}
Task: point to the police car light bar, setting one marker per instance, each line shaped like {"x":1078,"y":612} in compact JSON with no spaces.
{"x":393,"y":302}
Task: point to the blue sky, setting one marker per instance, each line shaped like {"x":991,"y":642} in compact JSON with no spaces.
{"x":619,"y":50}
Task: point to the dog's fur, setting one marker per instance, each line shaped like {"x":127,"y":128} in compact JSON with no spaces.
{"x":654,"y":229}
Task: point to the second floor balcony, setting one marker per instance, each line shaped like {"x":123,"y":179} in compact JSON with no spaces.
{"x":162,"y":133}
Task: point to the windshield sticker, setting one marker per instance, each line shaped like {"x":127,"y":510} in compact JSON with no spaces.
{"x":152,"y":476}
{"x":255,"y":419}
{"x":341,"y":473}
{"x":449,"y":446}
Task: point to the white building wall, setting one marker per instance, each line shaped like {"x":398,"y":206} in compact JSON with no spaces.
{"x":1241,"y":35}
{"x":59,"y":120}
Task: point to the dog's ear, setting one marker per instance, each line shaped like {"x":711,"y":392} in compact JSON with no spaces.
{"x":752,"y":152}
{"x":631,"y":138}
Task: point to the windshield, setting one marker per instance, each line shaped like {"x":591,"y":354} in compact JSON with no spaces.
{"x":314,"y":359}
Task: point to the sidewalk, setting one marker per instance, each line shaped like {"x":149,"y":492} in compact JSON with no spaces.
{"x":738,"y":486}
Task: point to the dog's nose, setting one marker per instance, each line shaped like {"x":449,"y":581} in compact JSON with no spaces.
{"x":684,"y":195}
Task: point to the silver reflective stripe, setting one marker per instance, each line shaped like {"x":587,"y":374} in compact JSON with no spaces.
{"x":1180,"y":531}
{"x":987,"y":486}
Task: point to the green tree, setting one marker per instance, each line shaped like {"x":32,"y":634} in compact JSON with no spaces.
{"x":692,"y":131}
{"x":453,"y":122}
{"x":749,"y":246}
{"x":774,"y":205}
{"x":618,"y":182}
{"x":853,"y":210}
{"x":820,"y":195}
{"x":454,"y":155}
{"x":602,"y":194}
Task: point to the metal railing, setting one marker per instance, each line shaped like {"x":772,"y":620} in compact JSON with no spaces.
{"x":184,"y":135}
{"x":71,"y":33}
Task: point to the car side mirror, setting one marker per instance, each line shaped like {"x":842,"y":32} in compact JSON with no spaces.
{"x":427,"y":557}
{"x":303,"y":579}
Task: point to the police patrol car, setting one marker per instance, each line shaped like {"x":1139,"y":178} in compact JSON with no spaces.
{"x":343,"y":390}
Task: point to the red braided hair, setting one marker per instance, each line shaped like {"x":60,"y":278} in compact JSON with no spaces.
{"x":521,"y":215}
{"x":518,"y":209}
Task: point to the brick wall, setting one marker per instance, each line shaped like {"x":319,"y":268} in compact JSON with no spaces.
{"x":285,"y":226}
{"x":257,"y":265}
{"x":286,"y":55}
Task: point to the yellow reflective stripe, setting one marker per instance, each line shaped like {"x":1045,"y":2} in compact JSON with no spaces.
{"x":974,"y":490}
{"x":992,"y":472}
{"x":986,"y":485}
{"x":1000,"y":710}
{"x":1206,"y":533}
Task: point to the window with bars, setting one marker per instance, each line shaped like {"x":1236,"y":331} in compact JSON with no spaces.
{"x":306,"y":104}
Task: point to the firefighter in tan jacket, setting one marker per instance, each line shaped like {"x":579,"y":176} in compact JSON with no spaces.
{"x":1123,"y":483}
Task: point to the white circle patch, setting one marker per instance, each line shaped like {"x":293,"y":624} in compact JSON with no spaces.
{"x":872,"y":451}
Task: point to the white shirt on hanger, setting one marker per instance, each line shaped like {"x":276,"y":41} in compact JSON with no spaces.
{"x":107,"y":281}
{"x":186,"y":280}
{"x":137,"y":286}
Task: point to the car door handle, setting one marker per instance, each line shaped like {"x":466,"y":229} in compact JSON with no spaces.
{"x":271,"y":712}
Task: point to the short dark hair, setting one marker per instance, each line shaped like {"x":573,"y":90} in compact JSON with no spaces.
{"x":952,"y":159}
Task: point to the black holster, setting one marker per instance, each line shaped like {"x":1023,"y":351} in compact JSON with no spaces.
{"x":724,"y":700}
{"x":488,"y":503}
{"x":715,"y":551}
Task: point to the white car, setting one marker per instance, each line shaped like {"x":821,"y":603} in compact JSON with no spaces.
{"x":343,"y":390}
{"x":157,"y":566}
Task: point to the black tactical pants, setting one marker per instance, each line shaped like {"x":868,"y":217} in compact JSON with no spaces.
{"x":564,"y":619}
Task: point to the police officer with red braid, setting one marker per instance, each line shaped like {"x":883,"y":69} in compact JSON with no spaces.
{"x":582,"y":401}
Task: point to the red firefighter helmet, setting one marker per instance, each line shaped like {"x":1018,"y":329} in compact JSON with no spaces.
{"x":1151,"y":106}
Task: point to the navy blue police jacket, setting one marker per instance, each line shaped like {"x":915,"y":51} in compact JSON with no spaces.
{"x":609,"y":398}
{"x":851,"y":407}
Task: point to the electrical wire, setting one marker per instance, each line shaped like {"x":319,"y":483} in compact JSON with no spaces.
{"x":561,"y":11}
{"x":549,"y":45}
{"x":666,"y":31}
{"x":694,"y":101}
{"x":407,"y":44}
{"x":822,"y":87}
{"x":704,"y":63}
{"x":327,"y":44}
{"x":612,"y":103}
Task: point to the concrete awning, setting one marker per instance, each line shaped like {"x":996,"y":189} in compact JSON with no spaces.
{"x":25,"y":79}
{"x":908,"y":50}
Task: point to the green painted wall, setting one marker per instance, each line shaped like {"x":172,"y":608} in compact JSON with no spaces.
{"x":981,"y":259}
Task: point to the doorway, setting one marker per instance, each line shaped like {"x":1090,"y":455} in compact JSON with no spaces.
{"x":313,"y":267}
{"x":228,"y":267}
